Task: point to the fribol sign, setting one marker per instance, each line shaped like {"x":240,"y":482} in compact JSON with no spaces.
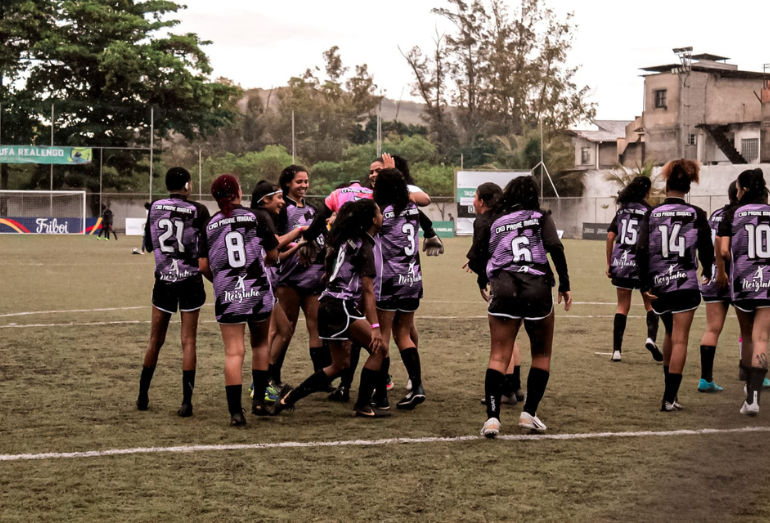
{"x":46,"y":155}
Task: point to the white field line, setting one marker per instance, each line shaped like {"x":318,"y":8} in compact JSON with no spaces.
{"x":374,"y":442}
{"x":109,"y":309}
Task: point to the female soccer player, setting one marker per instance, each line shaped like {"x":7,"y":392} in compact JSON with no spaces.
{"x":513,"y":250}
{"x":172,"y":233}
{"x":669,"y":237}
{"x":299,"y":284}
{"x":398,"y":287}
{"x":744,"y":241}
{"x":351,"y":271}
{"x":232,"y":258}
{"x":622,"y":269}
{"x":484,"y":200}
{"x":717,"y":302}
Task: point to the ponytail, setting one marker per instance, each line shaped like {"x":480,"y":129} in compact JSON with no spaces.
{"x":225,"y":190}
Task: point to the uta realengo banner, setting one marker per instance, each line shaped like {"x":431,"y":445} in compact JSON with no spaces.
{"x":45,"y":155}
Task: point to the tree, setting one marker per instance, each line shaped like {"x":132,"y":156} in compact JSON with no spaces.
{"x":103,"y":64}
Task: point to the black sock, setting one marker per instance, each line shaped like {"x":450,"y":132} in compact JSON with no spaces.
{"x":317,"y":381}
{"x":536,"y":382}
{"x":652,"y":325}
{"x":316,"y":355}
{"x":673,"y":381}
{"x":411,"y":359}
{"x":493,"y":384}
{"x":260,"y":379}
{"x":278,"y":365}
{"x":707,"y":362}
{"x":754,"y":384}
{"x":234,"y":398}
{"x":665,"y":371}
{"x":188,"y":384}
{"x":381,"y":388}
{"x":516,"y":381}
{"x":145,"y":379}
{"x":507,"y":389}
{"x":619,"y":327}
{"x":368,"y":382}
{"x":346,"y":377}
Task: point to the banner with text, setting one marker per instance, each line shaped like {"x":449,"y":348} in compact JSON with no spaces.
{"x":45,"y":155}
{"x":46,"y":225}
{"x":467,"y":182}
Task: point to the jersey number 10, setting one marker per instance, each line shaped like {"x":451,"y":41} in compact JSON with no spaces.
{"x":758,"y":239}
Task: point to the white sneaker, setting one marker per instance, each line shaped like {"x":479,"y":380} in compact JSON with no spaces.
{"x":491,"y":428}
{"x":530,"y":422}
{"x":750,"y":409}
{"x":615,"y":355}
{"x":408,"y":385}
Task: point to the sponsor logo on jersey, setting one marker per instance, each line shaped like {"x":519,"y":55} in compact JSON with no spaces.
{"x":174,"y":274}
{"x":623,"y":261}
{"x":411,"y":277}
{"x":239,"y":292}
{"x":670,"y":275}
{"x":757,"y":281}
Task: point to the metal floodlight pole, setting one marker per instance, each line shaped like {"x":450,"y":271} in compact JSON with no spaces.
{"x":292,"y":136}
{"x":541,"y":160}
{"x":152,"y":132}
{"x":379,"y":129}
{"x":101,"y":174}
{"x":200,"y":170}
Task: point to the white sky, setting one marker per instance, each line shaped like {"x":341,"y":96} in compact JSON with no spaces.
{"x":261,"y":43}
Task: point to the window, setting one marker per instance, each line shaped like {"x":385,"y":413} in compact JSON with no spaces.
{"x":660,"y":99}
{"x":750,"y":149}
{"x":585,"y":155}
{"x":692,"y":139}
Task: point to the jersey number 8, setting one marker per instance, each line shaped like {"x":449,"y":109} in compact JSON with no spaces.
{"x":236,"y":253}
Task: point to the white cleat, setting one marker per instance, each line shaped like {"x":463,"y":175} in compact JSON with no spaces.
{"x":750,"y":409}
{"x":530,"y":422}
{"x":615,"y":355}
{"x":491,"y":428}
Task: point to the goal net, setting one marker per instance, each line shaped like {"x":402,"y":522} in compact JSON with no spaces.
{"x":43,"y":212}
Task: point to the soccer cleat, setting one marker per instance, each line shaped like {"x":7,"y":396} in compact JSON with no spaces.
{"x":238,"y":419}
{"x":408,"y":385}
{"x":251,"y":390}
{"x":142,"y":402}
{"x":615,"y":355}
{"x":750,"y":409}
{"x":272,"y":393}
{"x":258,"y":407}
{"x":491,"y":428}
{"x":185,"y":411}
{"x":380,"y":403}
{"x":390,"y":383}
{"x":530,"y":422}
{"x":766,"y":383}
{"x":708,"y":386}
{"x":281,"y":404}
{"x":653,"y":348}
{"x":341,"y":393}
{"x":508,"y":400}
{"x":413,"y":398}
{"x":367,"y":411}
{"x":665,"y":406}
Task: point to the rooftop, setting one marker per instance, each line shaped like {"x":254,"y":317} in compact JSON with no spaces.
{"x":607,"y":131}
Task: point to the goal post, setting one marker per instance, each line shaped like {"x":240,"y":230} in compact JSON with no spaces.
{"x":43,"y":212}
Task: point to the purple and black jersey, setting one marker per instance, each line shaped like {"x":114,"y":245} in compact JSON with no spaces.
{"x":671,"y":235}
{"x":625,"y":225}
{"x":710,"y":291}
{"x":516,"y":244}
{"x":749,"y":229}
{"x":291,"y":273}
{"x":352,"y":261}
{"x":234,"y":246}
{"x":173,"y":231}
{"x":397,"y":256}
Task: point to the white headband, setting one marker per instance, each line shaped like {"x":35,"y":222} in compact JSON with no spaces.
{"x":269,"y":194}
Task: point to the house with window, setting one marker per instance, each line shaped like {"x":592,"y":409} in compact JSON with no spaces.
{"x":702,"y":108}
{"x":598,"y":148}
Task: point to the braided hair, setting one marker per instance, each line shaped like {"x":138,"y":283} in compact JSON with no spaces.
{"x":520,"y":193}
{"x":391,"y":189}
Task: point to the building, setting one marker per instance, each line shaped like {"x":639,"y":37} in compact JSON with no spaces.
{"x":598,"y":149}
{"x":702,"y":108}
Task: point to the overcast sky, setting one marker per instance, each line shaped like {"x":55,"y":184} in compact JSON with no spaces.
{"x":260,"y":43}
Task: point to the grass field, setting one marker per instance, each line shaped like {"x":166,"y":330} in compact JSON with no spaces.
{"x":74,"y":316}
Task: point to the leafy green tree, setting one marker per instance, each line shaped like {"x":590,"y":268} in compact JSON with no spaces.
{"x":249,"y":167}
{"x":103,"y":64}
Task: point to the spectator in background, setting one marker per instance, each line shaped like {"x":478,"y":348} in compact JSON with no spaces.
{"x":106,"y":224}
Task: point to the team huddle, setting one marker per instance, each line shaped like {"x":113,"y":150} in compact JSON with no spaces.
{"x":352,"y":267}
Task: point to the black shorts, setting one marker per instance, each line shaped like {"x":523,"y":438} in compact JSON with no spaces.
{"x":186,"y":295}
{"x":234,"y":319}
{"x":751,"y":305}
{"x":399,"y":304}
{"x":520,"y":295}
{"x":335,"y":317}
{"x":626,"y":283}
{"x":676,"y":301}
